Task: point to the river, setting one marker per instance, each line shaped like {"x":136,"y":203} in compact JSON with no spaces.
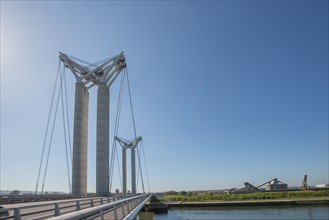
{"x":228,"y":213}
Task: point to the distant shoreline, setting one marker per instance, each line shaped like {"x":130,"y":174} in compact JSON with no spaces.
{"x":319,"y":201}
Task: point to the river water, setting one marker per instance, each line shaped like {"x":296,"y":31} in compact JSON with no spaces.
{"x":249,"y":213}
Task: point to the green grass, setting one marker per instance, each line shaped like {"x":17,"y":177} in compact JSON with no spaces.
{"x":250,"y":196}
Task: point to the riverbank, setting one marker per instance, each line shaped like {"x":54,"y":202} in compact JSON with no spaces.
{"x":295,"y":195}
{"x":281,"y":202}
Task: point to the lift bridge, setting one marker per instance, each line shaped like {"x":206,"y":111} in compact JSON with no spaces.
{"x":79,"y":204}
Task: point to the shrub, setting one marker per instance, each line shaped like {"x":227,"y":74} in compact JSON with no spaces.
{"x":250,"y":196}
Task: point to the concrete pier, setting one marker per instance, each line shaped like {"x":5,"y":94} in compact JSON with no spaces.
{"x":80,"y":141}
{"x":102,"y":140}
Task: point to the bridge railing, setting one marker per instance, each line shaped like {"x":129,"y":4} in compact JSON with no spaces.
{"x":52,"y":208}
{"x":32,"y":198}
{"x":37,"y":198}
{"x":122,"y":209}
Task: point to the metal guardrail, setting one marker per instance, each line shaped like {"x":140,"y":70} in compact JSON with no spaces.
{"x":32,"y":198}
{"x":97,"y":207}
{"x":132,"y":215}
{"x":37,"y":198}
{"x":51,"y":209}
{"x":121,"y":209}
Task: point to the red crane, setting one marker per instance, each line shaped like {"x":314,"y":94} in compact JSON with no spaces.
{"x":304,"y":183}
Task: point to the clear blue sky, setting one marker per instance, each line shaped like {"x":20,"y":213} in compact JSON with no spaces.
{"x":224,"y":92}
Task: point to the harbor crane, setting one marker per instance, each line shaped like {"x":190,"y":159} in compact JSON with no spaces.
{"x":304,"y":183}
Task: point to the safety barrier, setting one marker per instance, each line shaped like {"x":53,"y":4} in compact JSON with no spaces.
{"x":52,"y":208}
{"x":121,"y":209}
{"x":37,"y":198}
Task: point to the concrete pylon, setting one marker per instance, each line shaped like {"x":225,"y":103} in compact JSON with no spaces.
{"x":80,"y":141}
{"x":103,"y":76}
{"x":102,"y":140}
{"x":125,"y":145}
{"x":124,"y":170}
{"x":133,"y":171}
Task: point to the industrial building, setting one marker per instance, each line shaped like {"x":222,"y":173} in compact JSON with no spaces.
{"x":275,"y":184}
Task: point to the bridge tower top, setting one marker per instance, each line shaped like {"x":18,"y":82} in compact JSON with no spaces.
{"x":104,"y":73}
{"x":132,"y":144}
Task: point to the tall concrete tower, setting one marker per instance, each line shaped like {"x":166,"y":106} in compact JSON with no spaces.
{"x":102,"y":75}
{"x":102,"y":139}
{"x":80,"y":127}
{"x":133,"y":170}
{"x":124,"y":170}
{"x":125,"y":145}
{"x":132,"y":145}
{"x":80,"y":141}
{"x":106,"y":74}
